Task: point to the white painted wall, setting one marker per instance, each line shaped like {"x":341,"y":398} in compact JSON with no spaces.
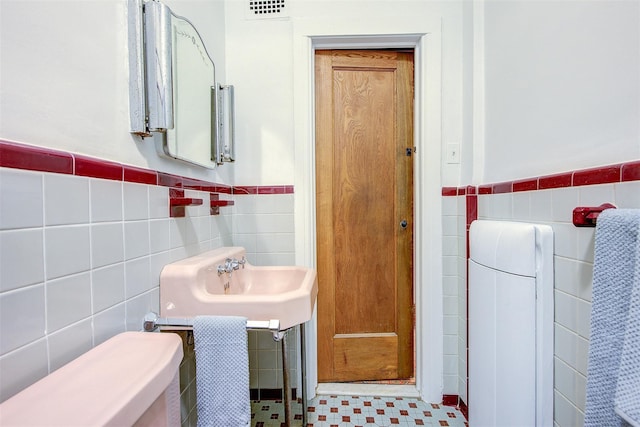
{"x":64,"y":78}
{"x":260,"y":65}
{"x":562,"y":86}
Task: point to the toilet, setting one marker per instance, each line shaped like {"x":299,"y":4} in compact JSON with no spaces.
{"x":130,"y":379}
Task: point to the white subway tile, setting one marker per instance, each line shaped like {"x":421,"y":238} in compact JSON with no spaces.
{"x":108,"y":323}
{"x":521,"y":205}
{"x":275,"y":242}
{"x":158,"y":202}
{"x":68,"y":300}
{"x":566,"y":310}
{"x":567,"y":383}
{"x":450,"y":325}
{"x":582,"y":355}
{"x":22,"y":259}
{"x":107,"y":245}
{"x":595,"y":195}
{"x":449,"y":245}
{"x":66,"y":199}
{"x":565,"y":240}
{"x":268,"y":378}
{"x":450,"y":226}
{"x":138,"y":307}
{"x":69,"y":343}
{"x":563,"y":201}
{"x":136,"y":239}
{"x":274,"y":223}
{"x":449,"y":265}
{"x":583,"y":321}
{"x":245,"y":204}
{"x":450,"y":345}
{"x":450,"y":364}
{"x":585,"y":280}
{"x":565,"y":344}
{"x":275,"y":259}
{"x":22,"y":317}
{"x":156,"y":263}
{"x":137,"y":277}
{"x":274,"y":204}
{"x":159,"y":235}
{"x":566,"y":275}
{"x":106,"y":200}
{"x":202,"y":227}
{"x":66,"y":250}
{"x":136,"y":201}
{"x":23,"y":367}
{"x":21,"y":199}
{"x":541,"y":204}
{"x":450,"y":384}
{"x":247,"y":241}
{"x":565,"y":414}
{"x":450,"y":205}
{"x":627,"y":195}
{"x":450,"y":306}
{"x":107,"y":285}
{"x":450,"y":286}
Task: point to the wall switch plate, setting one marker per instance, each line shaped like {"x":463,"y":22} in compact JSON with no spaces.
{"x":453,"y":153}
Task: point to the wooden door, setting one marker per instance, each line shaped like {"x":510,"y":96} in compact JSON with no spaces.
{"x":364,"y":199}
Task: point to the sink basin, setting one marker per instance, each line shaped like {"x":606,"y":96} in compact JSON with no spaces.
{"x":194,"y":287}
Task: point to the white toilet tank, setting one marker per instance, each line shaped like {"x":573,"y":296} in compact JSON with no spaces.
{"x":510,"y":324}
{"x":130,"y":379}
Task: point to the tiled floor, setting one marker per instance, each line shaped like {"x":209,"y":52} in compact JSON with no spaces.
{"x":345,"y":411}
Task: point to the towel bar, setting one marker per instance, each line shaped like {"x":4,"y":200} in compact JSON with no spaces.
{"x":587,"y":216}
{"x":152,"y":321}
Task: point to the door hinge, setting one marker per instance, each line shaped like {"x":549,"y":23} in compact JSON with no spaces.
{"x":408,"y":151}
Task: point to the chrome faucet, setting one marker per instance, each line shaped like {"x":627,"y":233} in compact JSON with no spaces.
{"x":230,"y":265}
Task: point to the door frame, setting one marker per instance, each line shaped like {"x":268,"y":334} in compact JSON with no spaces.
{"x":424,"y":36}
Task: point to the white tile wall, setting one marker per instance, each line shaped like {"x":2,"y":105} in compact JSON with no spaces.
{"x":80,"y":261}
{"x":452,"y":214}
{"x":573,"y":257}
{"x":263,"y":225}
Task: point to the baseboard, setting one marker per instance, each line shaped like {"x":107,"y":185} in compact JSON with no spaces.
{"x":270,"y":394}
{"x":455,"y":400}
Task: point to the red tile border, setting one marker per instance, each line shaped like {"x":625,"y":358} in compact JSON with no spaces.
{"x":525,"y":185}
{"x":449,"y":191}
{"x":450,"y":399}
{"x":555,"y":181}
{"x":631,"y":171}
{"x":502,"y":187}
{"x":623,"y":172}
{"x":604,"y":175}
{"x":28,"y":157}
{"x":140,"y":176}
{"x":95,"y":168}
{"x":22,"y":156}
{"x":485,"y":189}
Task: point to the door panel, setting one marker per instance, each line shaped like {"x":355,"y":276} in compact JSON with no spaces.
{"x":364,"y":190}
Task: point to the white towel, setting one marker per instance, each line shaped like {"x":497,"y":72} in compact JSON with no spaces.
{"x":222,"y":371}
{"x":615,"y":283}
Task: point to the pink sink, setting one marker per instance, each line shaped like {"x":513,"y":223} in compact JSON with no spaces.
{"x":195,"y":286}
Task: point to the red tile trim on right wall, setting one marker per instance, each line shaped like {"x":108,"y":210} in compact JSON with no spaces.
{"x":623,"y":172}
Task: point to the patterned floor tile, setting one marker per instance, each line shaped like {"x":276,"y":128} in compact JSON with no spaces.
{"x":365,"y":411}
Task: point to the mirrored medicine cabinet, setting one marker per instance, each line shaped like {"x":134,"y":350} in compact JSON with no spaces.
{"x":174,"y":95}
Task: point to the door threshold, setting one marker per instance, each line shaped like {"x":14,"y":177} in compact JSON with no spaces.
{"x":383,"y":390}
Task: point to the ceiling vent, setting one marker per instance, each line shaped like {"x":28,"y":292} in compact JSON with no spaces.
{"x":261,"y":9}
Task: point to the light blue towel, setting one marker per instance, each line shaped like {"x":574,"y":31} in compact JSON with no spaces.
{"x":615,"y":283}
{"x":222,"y":371}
